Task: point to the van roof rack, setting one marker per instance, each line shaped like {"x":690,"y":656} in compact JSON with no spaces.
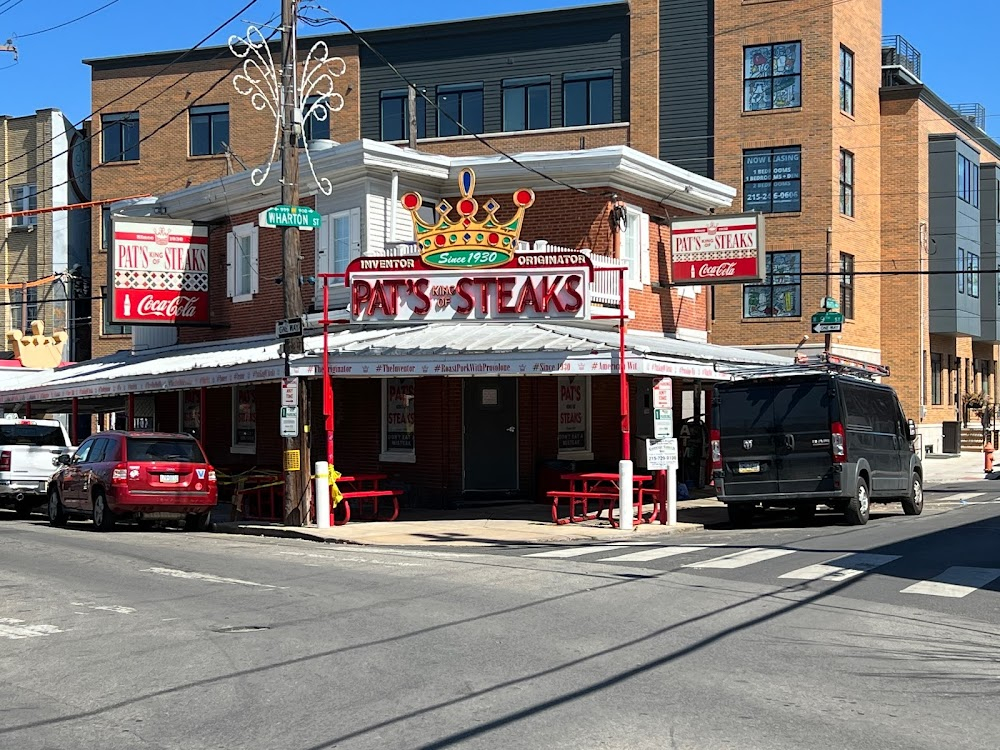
{"x":825,"y":362}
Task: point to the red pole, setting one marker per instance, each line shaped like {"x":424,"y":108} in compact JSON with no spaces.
{"x":74,"y":418}
{"x":622,"y":377}
{"x":327,"y":385}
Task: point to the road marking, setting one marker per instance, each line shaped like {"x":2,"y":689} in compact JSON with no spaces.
{"x":742,"y":558}
{"x":960,"y":497}
{"x":841,"y":568}
{"x":648,"y":555}
{"x":955,"y":582}
{"x":207,"y":577}
{"x":576,"y":551}
{"x":105,"y":607}
{"x":16,"y":629}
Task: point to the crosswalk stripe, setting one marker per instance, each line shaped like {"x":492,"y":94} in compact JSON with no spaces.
{"x":742,"y":558}
{"x":954,"y":582}
{"x":958,"y":497}
{"x":576,"y":551}
{"x":841,"y":568}
{"x":647,"y":555}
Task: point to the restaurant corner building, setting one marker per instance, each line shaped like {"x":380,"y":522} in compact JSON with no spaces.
{"x":474,"y":352}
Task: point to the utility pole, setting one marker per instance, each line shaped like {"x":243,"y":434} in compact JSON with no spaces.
{"x":296,"y":503}
{"x":411,"y":116}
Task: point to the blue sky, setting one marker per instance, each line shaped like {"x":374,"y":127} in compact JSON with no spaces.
{"x":49,"y":72}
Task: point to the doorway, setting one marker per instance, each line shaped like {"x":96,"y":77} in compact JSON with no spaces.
{"x":490,"y":439}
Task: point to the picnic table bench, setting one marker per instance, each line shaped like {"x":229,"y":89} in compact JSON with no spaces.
{"x":364,"y":488}
{"x":585,"y":488}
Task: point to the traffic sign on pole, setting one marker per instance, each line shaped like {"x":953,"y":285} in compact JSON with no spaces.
{"x":302,"y":217}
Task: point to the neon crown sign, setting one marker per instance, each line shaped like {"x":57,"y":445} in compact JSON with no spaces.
{"x":467,"y":242}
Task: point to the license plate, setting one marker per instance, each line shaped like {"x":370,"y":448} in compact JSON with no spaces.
{"x":749,"y":467}
{"x":168,"y":478}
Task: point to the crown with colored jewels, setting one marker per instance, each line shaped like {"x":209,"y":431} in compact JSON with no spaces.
{"x":468,"y":242}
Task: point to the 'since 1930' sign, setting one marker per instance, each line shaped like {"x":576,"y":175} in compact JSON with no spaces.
{"x":159,"y":273}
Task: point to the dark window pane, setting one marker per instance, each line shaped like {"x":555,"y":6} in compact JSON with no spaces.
{"x":130,"y":140}
{"x":163,"y":449}
{"x":31,"y":434}
{"x":575,"y":103}
{"x":449,"y":114}
{"x":514,"y":117}
{"x":106,"y":227}
{"x":220,"y":133}
{"x":472,"y":111}
{"x":600,"y":101}
{"x":538,"y":107}
{"x":200,"y":135}
{"x":771,"y":180}
{"x":392,"y":118}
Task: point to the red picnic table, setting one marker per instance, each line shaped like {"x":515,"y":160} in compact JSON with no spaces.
{"x":603,"y":488}
{"x":365,"y":489}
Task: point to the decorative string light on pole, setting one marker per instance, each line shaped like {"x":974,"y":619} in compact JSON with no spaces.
{"x":312,"y":97}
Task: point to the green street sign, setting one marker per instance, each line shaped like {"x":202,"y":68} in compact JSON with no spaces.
{"x":302,"y":217}
{"x":829,"y":303}
{"x":832,"y":318}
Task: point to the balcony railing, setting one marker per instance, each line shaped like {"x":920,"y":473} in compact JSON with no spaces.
{"x":898,"y":52}
{"x":974,"y":113}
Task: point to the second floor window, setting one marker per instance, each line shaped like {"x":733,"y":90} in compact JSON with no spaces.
{"x":460,"y":109}
{"x":972,"y":275}
{"x":394,"y":115}
{"x":120,"y":137}
{"x":107,"y":327}
{"x":242,"y":262}
{"x":846,"y":183}
{"x":315,"y":126}
{"x":209,"y":129}
{"x":968,"y":181}
{"x":24,"y":310}
{"x":847,"y":285}
{"x":588,"y":98}
{"x":24,"y":198}
{"x":526,"y":104}
{"x":107,"y":228}
{"x":772,"y":179}
{"x":846,"y":81}
{"x":780,"y":296}
{"x":772,"y":76}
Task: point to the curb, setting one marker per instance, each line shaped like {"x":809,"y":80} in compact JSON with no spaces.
{"x":305,"y":534}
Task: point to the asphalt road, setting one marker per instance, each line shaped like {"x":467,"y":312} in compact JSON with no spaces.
{"x":170,"y":640}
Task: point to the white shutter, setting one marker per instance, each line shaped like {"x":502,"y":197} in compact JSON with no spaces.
{"x":254,"y":260}
{"x":323,"y":245}
{"x":355,"y":233}
{"x":230,"y":264}
{"x":644,"y":248}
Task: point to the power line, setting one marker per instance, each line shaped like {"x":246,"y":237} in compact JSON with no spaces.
{"x":67,"y":23}
{"x":11,"y":7}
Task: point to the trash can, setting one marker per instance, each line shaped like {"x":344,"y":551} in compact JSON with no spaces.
{"x":952,"y":437}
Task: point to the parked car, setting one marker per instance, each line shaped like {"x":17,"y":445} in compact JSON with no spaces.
{"x":144,"y":476}
{"x":803,"y":440}
{"x":28,"y":452}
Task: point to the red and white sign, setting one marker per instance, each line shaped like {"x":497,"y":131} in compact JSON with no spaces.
{"x":717,"y":250}
{"x":159,"y":273}
{"x":530,"y":287}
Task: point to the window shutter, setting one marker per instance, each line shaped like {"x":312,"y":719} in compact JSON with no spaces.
{"x":230,"y":264}
{"x":323,"y":245}
{"x":644,"y":248}
{"x":254,"y":260}
{"x":355,"y":233}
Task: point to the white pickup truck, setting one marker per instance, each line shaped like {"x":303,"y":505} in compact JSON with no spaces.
{"x":29,"y":450}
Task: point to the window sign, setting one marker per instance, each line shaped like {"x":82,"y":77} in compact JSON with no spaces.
{"x":244,"y":419}
{"x":398,"y":436}
{"x":573,"y":415}
{"x":772,"y":179}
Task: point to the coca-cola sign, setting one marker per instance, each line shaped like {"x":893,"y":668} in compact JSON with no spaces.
{"x":717,"y":249}
{"x":158,"y":273}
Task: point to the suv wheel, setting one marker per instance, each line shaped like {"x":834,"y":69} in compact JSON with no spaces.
{"x":859,"y":507}
{"x":740,"y":514}
{"x":914,"y":504}
{"x":104,"y":519}
{"x":57,"y":516}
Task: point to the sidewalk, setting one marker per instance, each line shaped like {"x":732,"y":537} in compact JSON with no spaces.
{"x":941,"y":468}
{"x":482,"y":527}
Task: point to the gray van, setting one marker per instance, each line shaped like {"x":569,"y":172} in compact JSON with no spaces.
{"x":799,"y":441}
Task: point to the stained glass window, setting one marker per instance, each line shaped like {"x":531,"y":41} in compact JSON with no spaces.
{"x":772,"y":76}
{"x":780,"y":296}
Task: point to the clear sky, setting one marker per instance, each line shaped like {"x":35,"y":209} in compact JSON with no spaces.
{"x":49,"y":72}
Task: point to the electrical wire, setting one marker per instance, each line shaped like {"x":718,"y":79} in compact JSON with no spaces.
{"x":67,"y":23}
{"x":11,"y":7}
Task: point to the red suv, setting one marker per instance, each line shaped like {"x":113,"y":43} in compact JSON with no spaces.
{"x":145,"y":476}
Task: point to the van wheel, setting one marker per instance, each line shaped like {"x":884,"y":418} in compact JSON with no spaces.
{"x":196,"y":522}
{"x":740,"y":514}
{"x":859,"y":507}
{"x":914,"y":504}
{"x":104,"y":519}
{"x":57,"y":515}
{"x":806,"y":513}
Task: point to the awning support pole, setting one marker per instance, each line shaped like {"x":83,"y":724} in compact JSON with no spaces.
{"x":73,"y":420}
{"x":130,"y":416}
{"x":202,"y":416}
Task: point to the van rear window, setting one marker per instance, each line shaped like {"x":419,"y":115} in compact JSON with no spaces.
{"x":32,"y":434}
{"x":747,"y":409}
{"x":164,"y":449}
{"x":773,"y":407}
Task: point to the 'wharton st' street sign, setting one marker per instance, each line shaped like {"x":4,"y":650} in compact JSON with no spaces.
{"x":302,"y":217}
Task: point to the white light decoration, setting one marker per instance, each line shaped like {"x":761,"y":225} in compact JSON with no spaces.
{"x":260,"y":79}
